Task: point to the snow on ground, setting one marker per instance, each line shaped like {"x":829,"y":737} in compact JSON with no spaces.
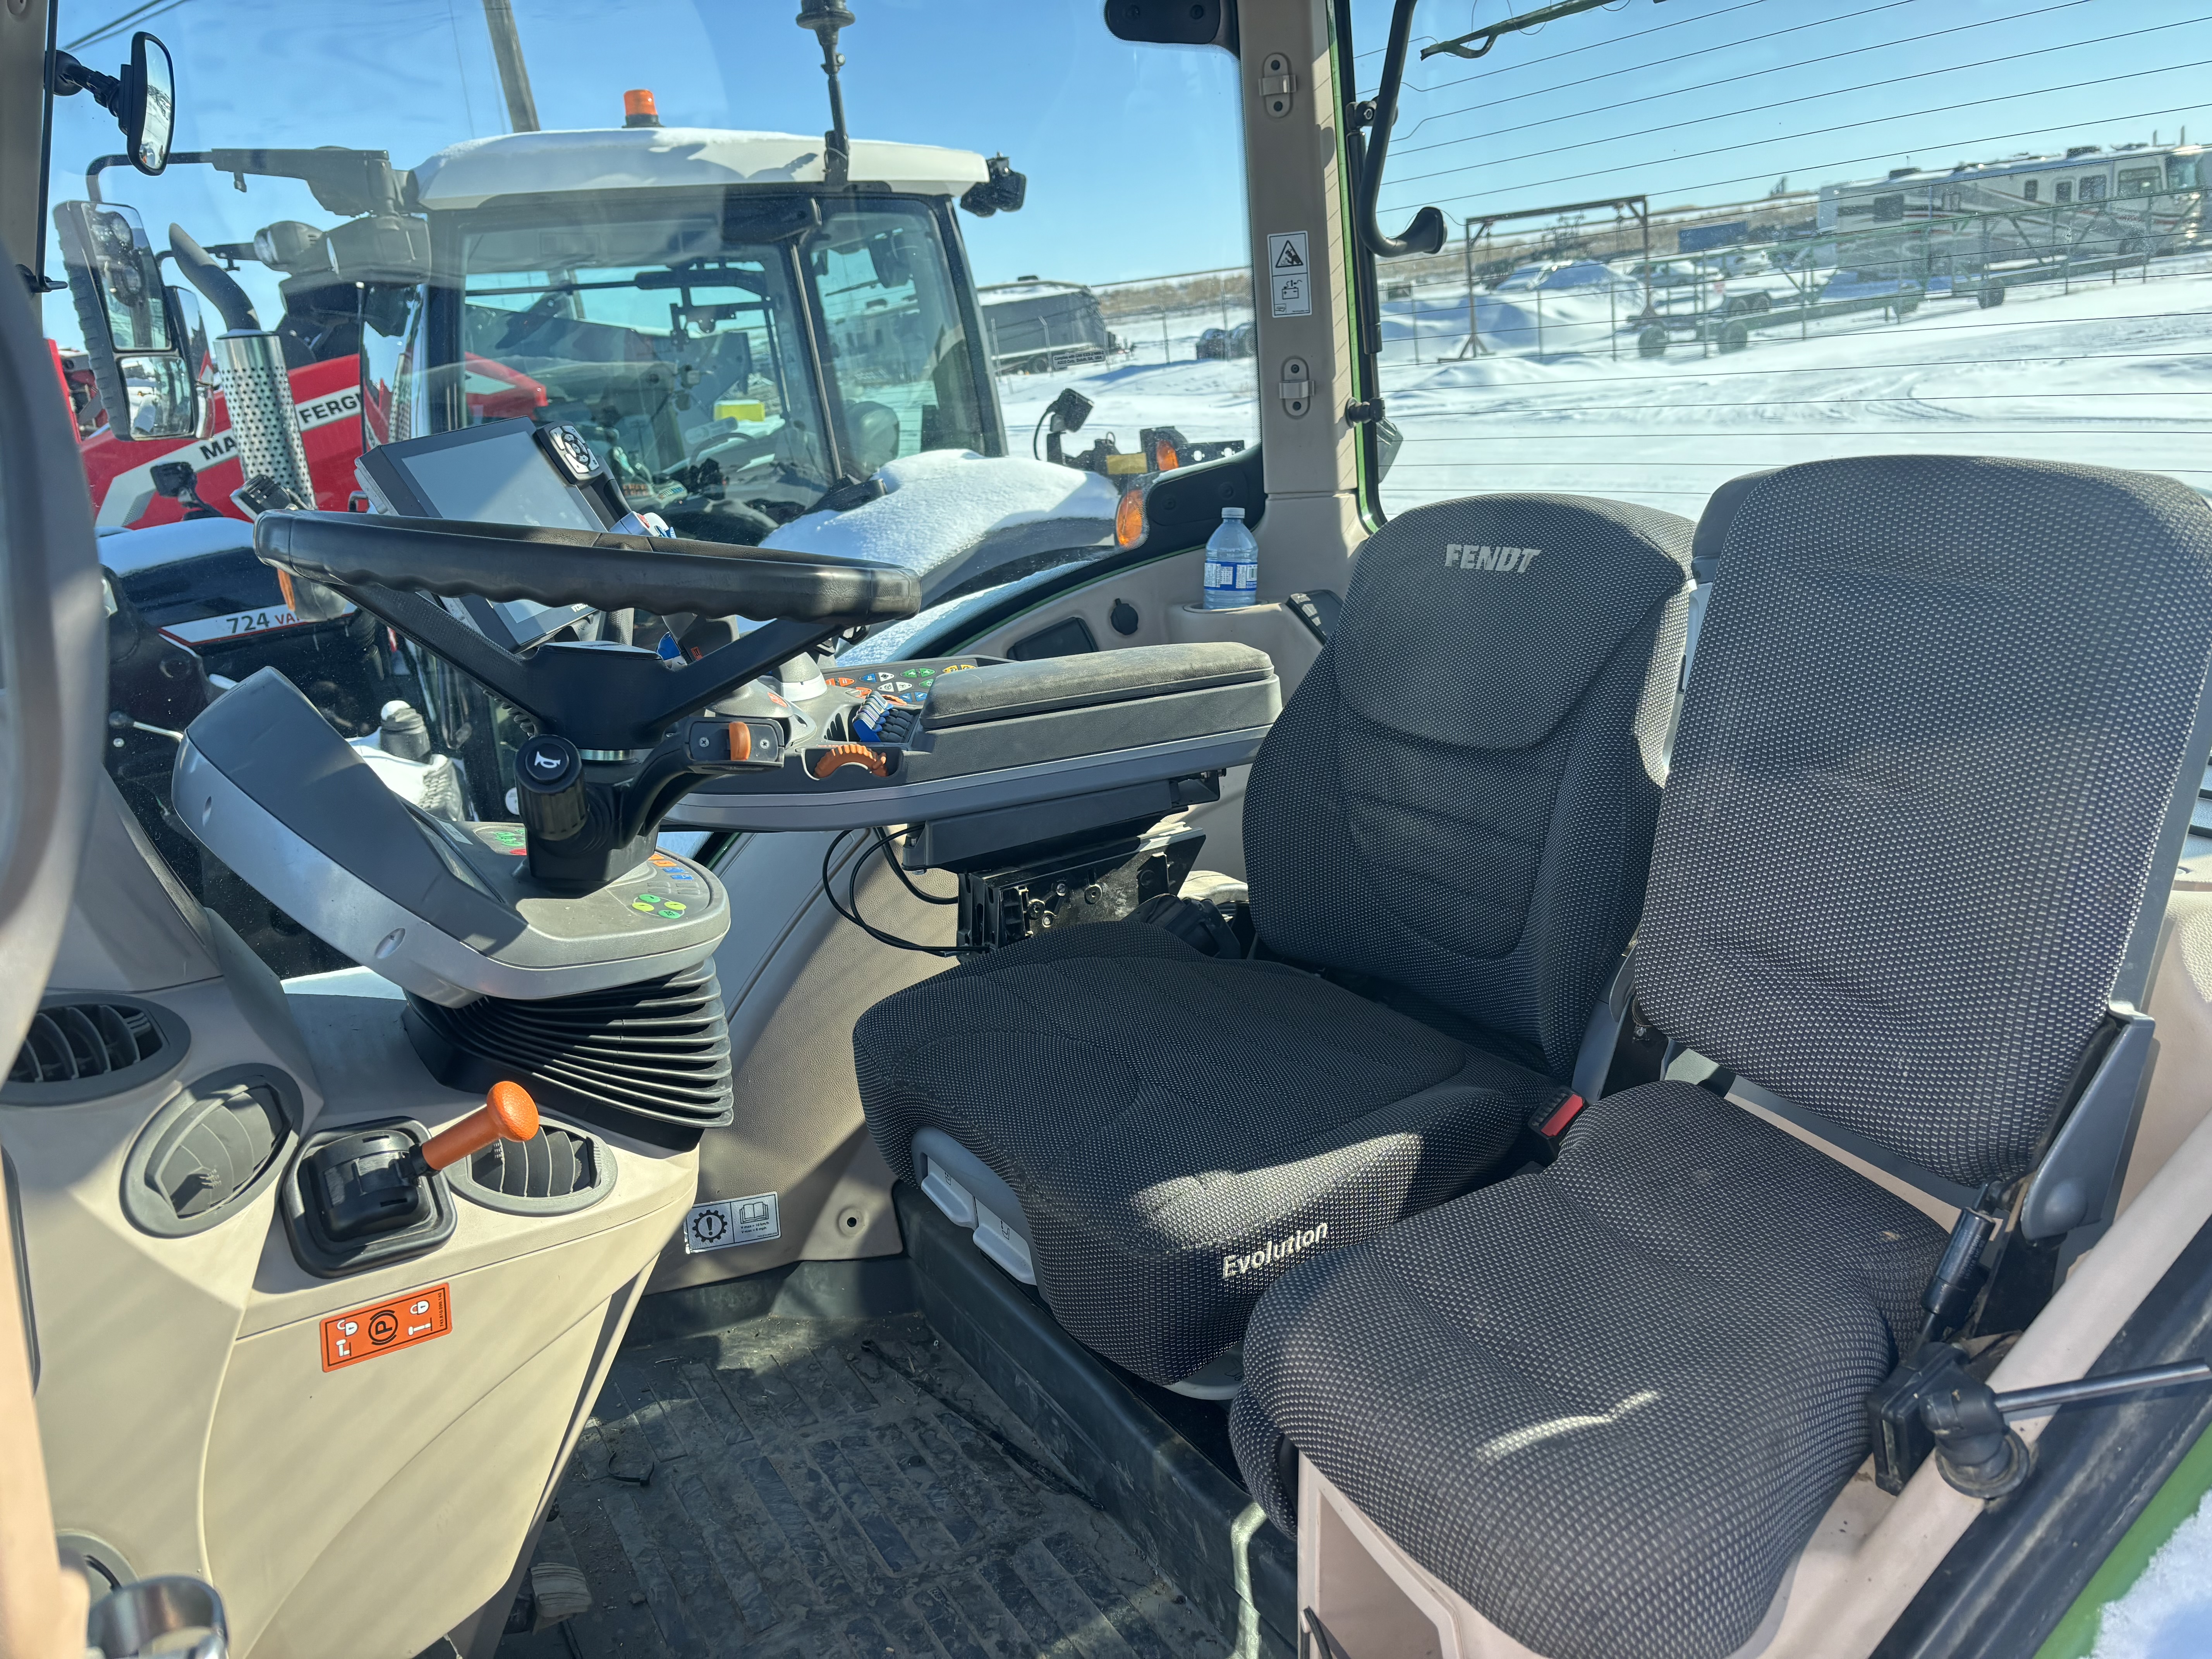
{"x":2168,"y":1613}
{"x":2112,"y":373}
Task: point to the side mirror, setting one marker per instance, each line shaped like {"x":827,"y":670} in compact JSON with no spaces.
{"x":142,"y":97}
{"x":135,"y":332}
{"x":1003,"y":191}
{"x":149,"y":104}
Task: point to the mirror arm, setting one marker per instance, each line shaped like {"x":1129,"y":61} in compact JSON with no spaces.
{"x":1426,"y":234}
{"x":68,"y":76}
{"x":101,"y":164}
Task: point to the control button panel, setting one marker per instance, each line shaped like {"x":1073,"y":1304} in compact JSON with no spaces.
{"x":384,"y":1327}
{"x":909,"y":682}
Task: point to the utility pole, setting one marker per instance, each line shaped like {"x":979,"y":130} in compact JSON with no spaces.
{"x":514,"y":73}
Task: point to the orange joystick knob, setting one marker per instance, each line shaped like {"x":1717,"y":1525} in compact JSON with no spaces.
{"x":509,"y":1114}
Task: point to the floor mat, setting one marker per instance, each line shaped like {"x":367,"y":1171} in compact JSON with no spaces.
{"x":801,"y":1487}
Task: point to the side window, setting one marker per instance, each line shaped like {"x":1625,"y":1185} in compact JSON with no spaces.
{"x":1684,"y":248}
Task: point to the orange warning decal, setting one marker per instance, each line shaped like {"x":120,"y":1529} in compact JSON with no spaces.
{"x":386,"y":1327}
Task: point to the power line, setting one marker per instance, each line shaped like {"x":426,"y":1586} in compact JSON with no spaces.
{"x":1617,"y":39}
{"x":1853,"y":160}
{"x":1779,"y":68}
{"x":139,"y":14}
{"x":1816,"y":133}
{"x":1932,"y":401}
{"x":1730,"y":466}
{"x":1934,"y":362}
{"x":1757,"y":433}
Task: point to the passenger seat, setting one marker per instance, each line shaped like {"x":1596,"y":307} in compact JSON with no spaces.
{"x":1454,"y":814}
{"x":1924,"y":791}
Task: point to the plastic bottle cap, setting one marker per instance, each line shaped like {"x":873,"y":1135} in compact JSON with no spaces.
{"x":1236,"y":513}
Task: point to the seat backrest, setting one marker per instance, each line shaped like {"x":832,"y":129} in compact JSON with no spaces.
{"x":1458,"y":801}
{"x":1929,"y":751}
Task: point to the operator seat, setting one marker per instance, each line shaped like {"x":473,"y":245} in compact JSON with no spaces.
{"x":1456,"y":808}
{"x":1608,"y":1402}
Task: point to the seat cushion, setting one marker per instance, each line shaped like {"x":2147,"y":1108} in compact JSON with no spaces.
{"x":1605,"y":1402}
{"x":1179,"y":1128}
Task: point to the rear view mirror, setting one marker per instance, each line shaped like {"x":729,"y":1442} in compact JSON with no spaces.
{"x":141,"y":96}
{"x":149,"y":104}
{"x":134,"y":332}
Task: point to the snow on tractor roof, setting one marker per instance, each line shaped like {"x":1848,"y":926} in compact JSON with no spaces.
{"x":467,"y":175}
{"x":1029,"y":287}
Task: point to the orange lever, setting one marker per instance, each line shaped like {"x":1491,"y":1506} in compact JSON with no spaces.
{"x":507,"y":1113}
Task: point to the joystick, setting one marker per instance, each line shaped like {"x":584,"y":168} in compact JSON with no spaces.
{"x":365,"y":1196}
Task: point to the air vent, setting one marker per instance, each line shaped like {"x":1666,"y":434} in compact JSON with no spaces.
{"x":218,"y":1145}
{"x":81,"y":1047}
{"x":216,"y":1152}
{"x":552,"y":1165}
{"x":559,"y":1170}
{"x":655,"y":1053}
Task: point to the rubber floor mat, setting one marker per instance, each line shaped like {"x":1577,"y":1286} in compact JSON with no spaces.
{"x":850,"y":1489}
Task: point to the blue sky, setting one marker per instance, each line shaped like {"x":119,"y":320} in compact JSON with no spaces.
{"x":1714,"y":100}
{"x":1133,"y":153}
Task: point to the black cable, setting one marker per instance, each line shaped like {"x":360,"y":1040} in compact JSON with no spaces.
{"x":1752,"y":75}
{"x":1639,"y":408}
{"x":1927,"y":362}
{"x":1840,"y":126}
{"x":1755,"y":432}
{"x":1832,"y":162}
{"x":853,"y":915}
{"x":899,"y":870}
{"x":1613,"y":40}
{"x":1038,"y":428}
{"x":1790,"y":102}
{"x":1731,"y":465}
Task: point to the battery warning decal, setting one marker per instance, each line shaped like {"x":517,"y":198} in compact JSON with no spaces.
{"x":386,"y":1327}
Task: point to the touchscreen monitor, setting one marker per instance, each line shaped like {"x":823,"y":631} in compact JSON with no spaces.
{"x":501,"y":473}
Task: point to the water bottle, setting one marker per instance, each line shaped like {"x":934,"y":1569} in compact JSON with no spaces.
{"x":1232,"y":563}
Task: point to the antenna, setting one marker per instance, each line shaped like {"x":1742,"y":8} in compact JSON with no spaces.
{"x":514,"y":73}
{"x":825,"y":18}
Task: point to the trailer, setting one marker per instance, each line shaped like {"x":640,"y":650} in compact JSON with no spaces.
{"x":1036,"y":326}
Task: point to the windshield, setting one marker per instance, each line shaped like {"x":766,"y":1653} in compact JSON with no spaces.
{"x":624,"y":219}
{"x":728,"y":377}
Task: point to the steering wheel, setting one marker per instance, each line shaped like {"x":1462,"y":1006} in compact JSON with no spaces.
{"x":591,"y":800}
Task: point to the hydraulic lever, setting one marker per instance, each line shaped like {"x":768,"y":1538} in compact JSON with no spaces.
{"x":1936,"y":1404}
{"x":509,"y":1114}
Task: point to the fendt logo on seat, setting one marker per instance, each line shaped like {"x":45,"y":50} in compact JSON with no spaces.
{"x":1468,"y":556}
{"x":1274,"y":1250}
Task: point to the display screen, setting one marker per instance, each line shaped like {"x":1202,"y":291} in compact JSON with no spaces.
{"x":502,"y":480}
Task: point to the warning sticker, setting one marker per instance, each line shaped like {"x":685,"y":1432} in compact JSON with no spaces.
{"x":1289,"y":279}
{"x":728,"y":1221}
{"x":386,"y":1327}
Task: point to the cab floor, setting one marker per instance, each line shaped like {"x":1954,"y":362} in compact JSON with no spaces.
{"x":793,"y":1486}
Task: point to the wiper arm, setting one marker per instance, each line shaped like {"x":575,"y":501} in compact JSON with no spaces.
{"x":1426,"y":233}
{"x":1461,"y":45}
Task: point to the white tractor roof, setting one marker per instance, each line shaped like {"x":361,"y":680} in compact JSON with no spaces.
{"x":466,"y":175}
{"x":1029,"y":287}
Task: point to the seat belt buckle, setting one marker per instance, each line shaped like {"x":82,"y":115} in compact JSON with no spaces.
{"x":1551,"y":1125}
